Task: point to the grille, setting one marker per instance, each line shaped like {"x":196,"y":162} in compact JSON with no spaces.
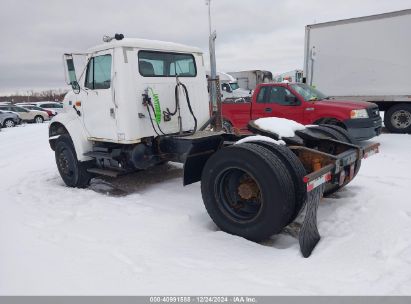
{"x":373,"y":112}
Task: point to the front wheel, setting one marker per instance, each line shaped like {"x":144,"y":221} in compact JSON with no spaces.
{"x":9,"y":123}
{"x":227,"y":127}
{"x":73,"y":172}
{"x":38,"y":119}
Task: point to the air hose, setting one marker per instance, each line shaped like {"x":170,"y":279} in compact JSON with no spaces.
{"x":155,"y":107}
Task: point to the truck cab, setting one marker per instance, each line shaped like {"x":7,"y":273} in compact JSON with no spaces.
{"x":306,"y":105}
{"x":106,"y":103}
{"x":229,"y":87}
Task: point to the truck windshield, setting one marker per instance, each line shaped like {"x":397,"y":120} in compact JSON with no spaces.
{"x":234,"y":86}
{"x":308,"y":93}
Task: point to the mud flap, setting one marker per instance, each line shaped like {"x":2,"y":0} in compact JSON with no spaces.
{"x":308,"y":235}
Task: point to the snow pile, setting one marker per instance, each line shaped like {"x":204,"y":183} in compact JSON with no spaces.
{"x":145,"y":233}
{"x":259,"y":138}
{"x":281,"y":126}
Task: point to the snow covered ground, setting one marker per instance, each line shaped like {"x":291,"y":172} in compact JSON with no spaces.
{"x":147,"y":234}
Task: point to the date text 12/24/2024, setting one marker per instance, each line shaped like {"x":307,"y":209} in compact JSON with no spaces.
{"x":203,"y":299}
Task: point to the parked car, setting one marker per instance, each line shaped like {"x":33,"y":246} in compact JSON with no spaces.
{"x":36,"y":108}
{"x":55,"y":107}
{"x":306,"y":105}
{"x":8,"y":119}
{"x":25,"y":114}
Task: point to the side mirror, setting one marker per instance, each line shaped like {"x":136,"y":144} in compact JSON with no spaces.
{"x":75,"y":86}
{"x":70,"y":71}
{"x":291,"y":99}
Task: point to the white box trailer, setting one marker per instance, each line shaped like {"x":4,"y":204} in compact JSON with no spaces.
{"x":366,"y":58}
{"x":248,"y":80}
{"x":291,"y":76}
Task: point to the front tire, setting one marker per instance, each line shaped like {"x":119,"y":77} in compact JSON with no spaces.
{"x":9,"y":123}
{"x":227,"y":127}
{"x":73,"y":172}
{"x":38,"y":119}
{"x":248,"y":191}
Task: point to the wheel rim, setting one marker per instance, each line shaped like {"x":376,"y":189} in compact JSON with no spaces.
{"x":226,"y":127}
{"x":63,"y":163}
{"x":401,"y":119}
{"x":39,"y":120}
{"x":239,"y":195}
{"x":9,"y":124}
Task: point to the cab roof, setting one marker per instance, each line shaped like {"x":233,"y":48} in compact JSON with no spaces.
{"x":155,"y":45}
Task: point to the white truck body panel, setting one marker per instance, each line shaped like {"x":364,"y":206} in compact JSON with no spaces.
{"x":291,"y":76}
{"x":248,"y":80}
{"x":117,"y":114}
{"x":365,"y":57}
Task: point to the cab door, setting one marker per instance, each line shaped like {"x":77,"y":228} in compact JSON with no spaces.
{"x":98,"y":104}
{"x":226,"y":91}
{"x":278,"y":101}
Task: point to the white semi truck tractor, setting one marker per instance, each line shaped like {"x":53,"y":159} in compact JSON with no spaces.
{"x":139,"y":103}
{"x":229,"y":87}
{"x":364,"y":59}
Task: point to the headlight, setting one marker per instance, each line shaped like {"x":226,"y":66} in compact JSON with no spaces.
{"x":359,"y":113}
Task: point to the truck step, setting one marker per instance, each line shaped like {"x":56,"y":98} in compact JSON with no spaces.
{"x":105,"y":172}
{"x":200,"y":135}
{"x":98,"y":154}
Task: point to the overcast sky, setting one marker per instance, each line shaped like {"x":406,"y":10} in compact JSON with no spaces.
{"x":259,"y":34}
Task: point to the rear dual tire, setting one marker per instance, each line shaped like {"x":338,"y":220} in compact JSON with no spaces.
{"x":398,"y":118}
{"x":248,"y":191}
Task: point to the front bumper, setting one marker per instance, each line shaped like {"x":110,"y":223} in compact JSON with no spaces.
{"x":364,"y":128}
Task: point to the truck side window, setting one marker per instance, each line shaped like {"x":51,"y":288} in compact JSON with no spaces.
{"x":98,"y":76}
{"x":164,"y":64}
{"x":226,"y":87}
{"x":261,"y":95}
{"x":282,"y":96}
{"x":89,"y":75}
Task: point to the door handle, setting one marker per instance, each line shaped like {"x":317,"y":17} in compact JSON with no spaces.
{"x":77,"y":110}
{"x":269,"y":110}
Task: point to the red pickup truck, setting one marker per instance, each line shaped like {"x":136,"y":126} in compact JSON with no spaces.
{"x":303,"y":104}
